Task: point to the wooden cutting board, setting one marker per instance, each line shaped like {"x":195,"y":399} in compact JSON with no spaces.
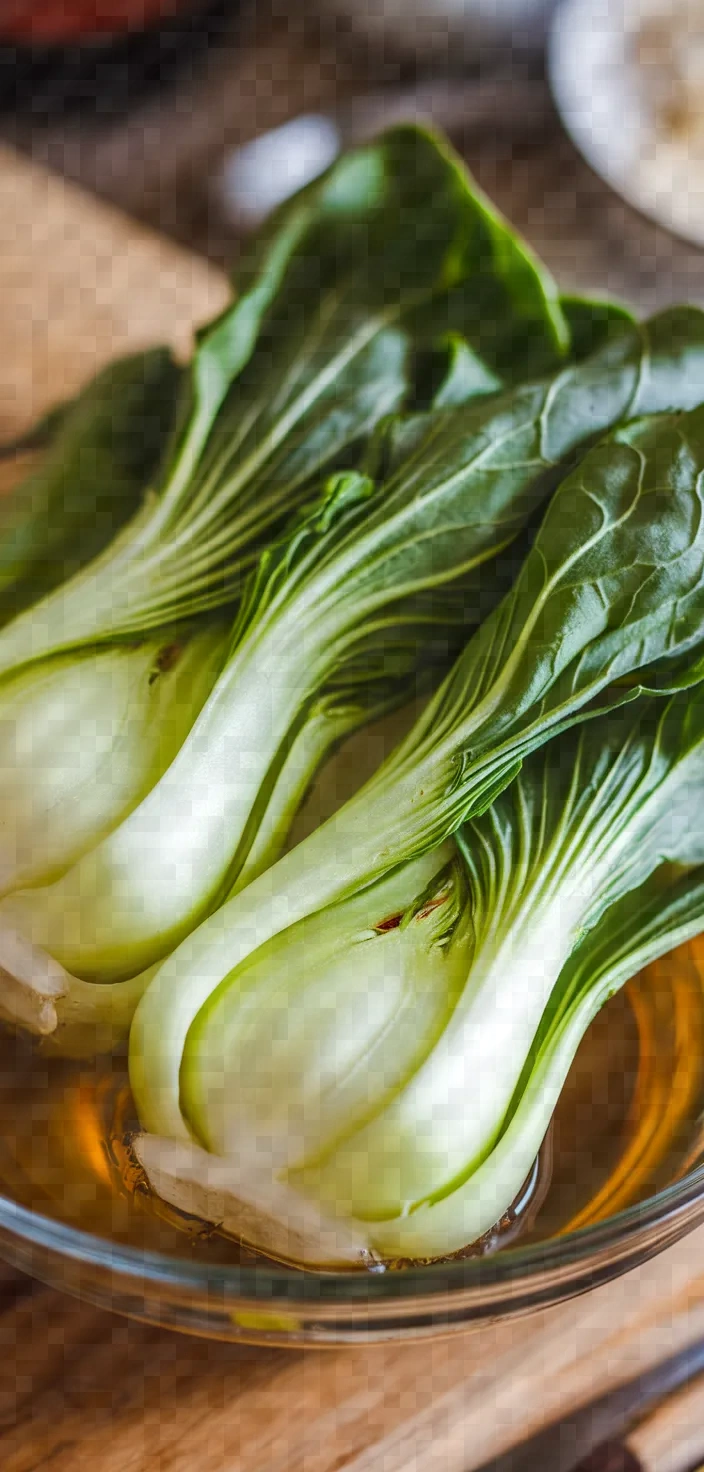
{"x":84,"y":1391}
{"x":79,"y":282}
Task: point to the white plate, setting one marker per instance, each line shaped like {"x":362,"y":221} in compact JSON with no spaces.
{"x":605,"y":103}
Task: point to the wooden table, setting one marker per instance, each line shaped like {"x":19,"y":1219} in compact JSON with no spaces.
{"x":79,"y":1388}
{"x":83,"y":1391}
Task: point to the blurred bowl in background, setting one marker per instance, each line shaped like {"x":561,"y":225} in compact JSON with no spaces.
{"x":628,"y":80}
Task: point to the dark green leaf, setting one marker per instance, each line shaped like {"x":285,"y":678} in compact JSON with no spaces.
{"x":377,"y":260}
{"x":361,"y":268}
{"x":91,"y":461}
{"x":593,"y":323}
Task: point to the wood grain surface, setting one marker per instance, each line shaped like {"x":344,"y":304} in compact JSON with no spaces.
{"x":82,"y":1389}
{"x":670,"y":1439}
{"x":80,"y":282}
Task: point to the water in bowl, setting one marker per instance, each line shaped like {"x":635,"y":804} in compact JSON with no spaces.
{"x":628,"y":1123}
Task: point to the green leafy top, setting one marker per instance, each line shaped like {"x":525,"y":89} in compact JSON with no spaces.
{"x":365,"y":267}
{"x":91,"y":461}
{"x":611,"y":586}
{"x":364,"y":564}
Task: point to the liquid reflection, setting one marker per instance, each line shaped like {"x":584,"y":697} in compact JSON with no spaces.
{"x":628,"y":1123}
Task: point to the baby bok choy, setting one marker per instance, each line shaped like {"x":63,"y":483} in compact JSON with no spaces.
{"x":393,"y":1066}
{"x":363,"y":270}
{"x":608,"y":603}
{"x":338,"y":623}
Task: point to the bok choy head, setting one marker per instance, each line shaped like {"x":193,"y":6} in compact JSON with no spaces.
{"x":396,"y":1063}
{"x":373,"y":583}
{"x":359,"y":272}
{"x":608,"y":603}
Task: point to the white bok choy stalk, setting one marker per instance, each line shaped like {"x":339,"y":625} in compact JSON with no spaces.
{"x":85,"y":736}
{"x":608,"y":603}
{"x":665,"y":913}
{"x":339,"y":622}
{"x":366,"y":266}
{"x":378,"y":1078}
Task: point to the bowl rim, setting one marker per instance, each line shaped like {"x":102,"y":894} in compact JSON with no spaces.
{"x":584,"y":51}
{"x":513,"y":1267}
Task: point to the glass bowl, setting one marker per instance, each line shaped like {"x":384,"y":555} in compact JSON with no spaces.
{"x":647,"y":1045}
{"x":278,"y":1306}
{"x":65,"y":1160}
